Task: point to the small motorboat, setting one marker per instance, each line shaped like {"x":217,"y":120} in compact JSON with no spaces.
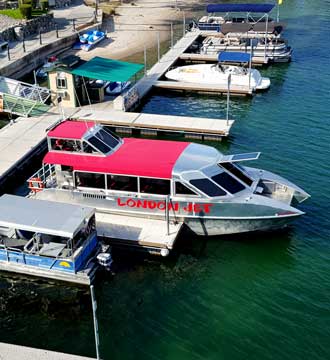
{"x":217,"y":74}
{"x":117,"y":87}
{"x":51,"y":62}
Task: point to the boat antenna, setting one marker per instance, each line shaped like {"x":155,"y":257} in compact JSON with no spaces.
{"x":89,"y":100}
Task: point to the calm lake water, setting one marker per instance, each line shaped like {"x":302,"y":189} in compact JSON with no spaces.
{"x":264,"y":296}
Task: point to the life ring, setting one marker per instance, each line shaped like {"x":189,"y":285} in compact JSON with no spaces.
{"x":36,"y":184}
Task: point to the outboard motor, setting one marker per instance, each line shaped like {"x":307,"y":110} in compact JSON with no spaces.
{"x":104,"y":258}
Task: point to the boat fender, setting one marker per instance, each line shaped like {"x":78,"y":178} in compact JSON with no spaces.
{"x":36,"y":184}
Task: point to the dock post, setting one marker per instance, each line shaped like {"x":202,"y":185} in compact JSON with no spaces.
{"x":23,"y":40}
{"x":8,"y":52}
{"x":184,"y":23}
{"x":167,"y":215}
{"x":158,"y":45}
{"x":145,"y":59}
{"x":250,"y":62}
{"x":56,"y":30}
{"x":73,"y":24}
{"x":96,"y":329}
{"x":266,"y":38}
{"x":40,"y":40}
{"x":172,"y":41}
{"x":228,"y":97}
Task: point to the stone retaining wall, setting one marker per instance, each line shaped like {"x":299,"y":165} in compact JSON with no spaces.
{"x":42,"y":23}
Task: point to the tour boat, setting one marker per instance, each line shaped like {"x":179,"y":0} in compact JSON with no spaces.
{"x":48,"y":239}
{"x":272,"y":47}
{"x":210,"y":192}
{"x":217,"y":74}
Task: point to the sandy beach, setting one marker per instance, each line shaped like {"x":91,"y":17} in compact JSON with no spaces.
{"x":136,"y":25}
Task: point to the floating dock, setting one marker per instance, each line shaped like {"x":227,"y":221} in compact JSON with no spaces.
{"x":143,"y":233}
{"x":204,"y":88}
{"x":154,"y":124}
{"x":17,"y":352}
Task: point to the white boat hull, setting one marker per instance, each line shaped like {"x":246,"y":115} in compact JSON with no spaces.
{"x":213,"y":75}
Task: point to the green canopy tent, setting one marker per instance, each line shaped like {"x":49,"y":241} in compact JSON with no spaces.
{"x":107,"y":69}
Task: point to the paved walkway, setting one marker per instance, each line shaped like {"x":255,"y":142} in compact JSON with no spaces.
{"x":16,"y":352}
{"x":64,"y":19}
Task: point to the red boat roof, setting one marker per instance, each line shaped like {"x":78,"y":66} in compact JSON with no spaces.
{"x":139,"y":157}
{"x":71,"y":129}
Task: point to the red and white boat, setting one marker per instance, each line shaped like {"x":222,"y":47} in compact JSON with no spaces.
{"x":88,"y":164}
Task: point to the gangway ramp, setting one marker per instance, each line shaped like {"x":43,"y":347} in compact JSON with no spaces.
{"x":145,"y":233}
{"x":22,"y":99}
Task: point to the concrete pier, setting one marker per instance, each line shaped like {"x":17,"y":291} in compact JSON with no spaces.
{"x":17,"y":352}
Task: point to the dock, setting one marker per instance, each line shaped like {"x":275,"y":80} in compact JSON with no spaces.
{"x":256,"y":60}
{"x":148,"y":234}
{"x":22,"y":140}
{"x":18,"y":352}
{"x":144,"y":85}
{"x":154,"y":124}
{"x":205,"y":88}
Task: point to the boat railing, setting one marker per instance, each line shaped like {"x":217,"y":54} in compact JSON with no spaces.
{"x":43,"y":178}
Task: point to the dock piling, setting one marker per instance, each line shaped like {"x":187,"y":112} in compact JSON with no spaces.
{"x":96,"y":329}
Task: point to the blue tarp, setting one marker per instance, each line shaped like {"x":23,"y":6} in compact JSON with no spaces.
{"x":254,"y":8}
{"x":234,"y":57}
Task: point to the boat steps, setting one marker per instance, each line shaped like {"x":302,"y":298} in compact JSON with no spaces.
{"x":148,"y":234}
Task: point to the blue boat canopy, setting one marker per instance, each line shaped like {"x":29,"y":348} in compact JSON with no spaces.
{"x":254,"y":8}
{"x":239,"y":57}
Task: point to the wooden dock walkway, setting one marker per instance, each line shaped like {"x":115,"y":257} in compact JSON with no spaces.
{"x":204,"y":88}
{"x":256,"y":60}
{"x":144,"y":85}
{"x":152,"y":124}
{"x":18,"y":352}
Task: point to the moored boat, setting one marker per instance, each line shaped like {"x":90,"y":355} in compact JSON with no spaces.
{"x":211,"y":192}
{"x":48,"y":239}
{"x":218,"y":74}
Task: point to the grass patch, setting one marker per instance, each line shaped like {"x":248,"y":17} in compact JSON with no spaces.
{"x":13,"y":13}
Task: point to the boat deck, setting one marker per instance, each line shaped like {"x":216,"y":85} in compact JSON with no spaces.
{"x":152,"y":124}
{"x":83,"y":277}
{"x":148,"y":234}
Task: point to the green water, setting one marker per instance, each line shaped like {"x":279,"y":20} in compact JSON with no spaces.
{"x":262,"y":296}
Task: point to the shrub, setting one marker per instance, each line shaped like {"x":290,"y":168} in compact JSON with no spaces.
{"x":26,"y":11}
{"x":44,"y":5}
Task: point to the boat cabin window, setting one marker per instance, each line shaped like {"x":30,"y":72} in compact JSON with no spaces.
{"x":181,"y":189}
{"x":89,"y":149}
{"x":91,"y":180}
{"x":155,"y":186}
{"x":66,"y":168}
{"x":107,"y":138}
{"x":65,"y":145}
{"x":99,"y":145}
{"x":238,"y":172}
{"x":228,"y":182}
{"x":122,"y":183}
{"x":207,"y":187}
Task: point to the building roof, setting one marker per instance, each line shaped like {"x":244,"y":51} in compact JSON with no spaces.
{"x":42,"y":216}
{"x":107,"y":69}
{"x":255,"y":8}
{"x":71,"y":129}
{"x":138,"y":157}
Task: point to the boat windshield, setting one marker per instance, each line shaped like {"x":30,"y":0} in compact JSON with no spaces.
{"x":208,"y":187}
{"x":227,"y":182}
{"x":237,"y":171}
{"x":104,"y":141}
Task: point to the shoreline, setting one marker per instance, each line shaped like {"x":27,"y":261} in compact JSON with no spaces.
{"x":134,"y":27}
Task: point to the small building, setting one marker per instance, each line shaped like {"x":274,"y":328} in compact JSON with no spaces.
{"x":75,"y":82}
